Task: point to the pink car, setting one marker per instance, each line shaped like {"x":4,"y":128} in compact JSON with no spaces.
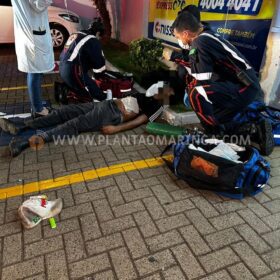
{"x":62,"y":23}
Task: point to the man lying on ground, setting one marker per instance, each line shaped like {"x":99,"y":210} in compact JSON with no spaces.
{"x":109,"y":117}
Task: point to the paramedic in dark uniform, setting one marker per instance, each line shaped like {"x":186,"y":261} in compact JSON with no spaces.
{"x":82,"y":53}
{"x":181,"y":57}
{"x":108,"y":116}
{"x":221,"y":82}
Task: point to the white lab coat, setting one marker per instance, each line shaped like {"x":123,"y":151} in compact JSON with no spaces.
{"x":34,"y":51}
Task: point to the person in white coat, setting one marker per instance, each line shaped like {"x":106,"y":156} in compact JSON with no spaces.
{"x":34,"y":48}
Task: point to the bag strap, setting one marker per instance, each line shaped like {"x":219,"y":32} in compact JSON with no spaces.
{"x":167,"y":162}
{"x":169,"y":165}
{"x":166,"y":149}
{"x":273,"y":114}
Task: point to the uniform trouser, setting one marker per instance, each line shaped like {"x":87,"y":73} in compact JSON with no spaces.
{"x":77,"y":118}
{"x":79,"y":81}
{"x":217,"y":103}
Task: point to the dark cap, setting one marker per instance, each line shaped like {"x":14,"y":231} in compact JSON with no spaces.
{"x":194,"y":10}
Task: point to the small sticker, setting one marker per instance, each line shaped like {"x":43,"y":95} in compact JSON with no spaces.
{"x":192,"y":51}
{"x":204,"y":166}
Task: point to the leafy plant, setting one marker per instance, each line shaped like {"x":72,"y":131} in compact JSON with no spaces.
{"x":145,"y":54}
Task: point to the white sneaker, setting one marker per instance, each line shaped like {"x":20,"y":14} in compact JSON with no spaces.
{"x":38,"y":208}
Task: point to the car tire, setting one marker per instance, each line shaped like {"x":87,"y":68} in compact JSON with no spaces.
{"x":59,"y":36}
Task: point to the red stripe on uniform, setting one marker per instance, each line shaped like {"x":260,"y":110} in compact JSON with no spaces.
{"x":198,"y":103}
{"x":214,"y":122}
{"x":191,"y":98}
{"x":243,"y":89}
{"x":204,"y":118}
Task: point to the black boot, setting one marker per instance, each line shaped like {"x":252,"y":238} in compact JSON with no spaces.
{"x":8,"y":126}
{"x":16,"y":146}
{"x":264,"y":137}
{"x":247,"y":129}
{"x":217,"y":131}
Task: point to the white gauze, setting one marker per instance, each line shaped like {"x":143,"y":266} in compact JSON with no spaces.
{"x":131,"y":105}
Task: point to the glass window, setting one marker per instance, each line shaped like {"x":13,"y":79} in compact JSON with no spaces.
{"x":5,"y":3}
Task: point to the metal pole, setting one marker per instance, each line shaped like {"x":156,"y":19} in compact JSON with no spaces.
{"x":146,"y":8}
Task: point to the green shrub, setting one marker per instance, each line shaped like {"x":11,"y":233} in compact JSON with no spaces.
{"x":145,"y":54}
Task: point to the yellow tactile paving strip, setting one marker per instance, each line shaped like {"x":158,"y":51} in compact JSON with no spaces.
{"x":80,"y":177}
{"x":23,"y":87}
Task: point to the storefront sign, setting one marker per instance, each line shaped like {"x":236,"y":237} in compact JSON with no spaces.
{"x":245,"y":23}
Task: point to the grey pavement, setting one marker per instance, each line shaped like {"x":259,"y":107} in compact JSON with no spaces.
{"x":143,"y":224}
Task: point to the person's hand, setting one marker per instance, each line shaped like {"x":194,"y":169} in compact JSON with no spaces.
{"x":109,"y":129}
{"x":167,"y":53}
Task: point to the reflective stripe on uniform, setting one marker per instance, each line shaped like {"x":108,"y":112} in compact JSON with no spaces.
{"x":100,"y":70}
{"x":156,"y":114}
{"x":202,"y":76}
{"x":233,"y":53}
{"x":199,"y":76}
{"x":79,"y":46}
{"x":201,"y":91}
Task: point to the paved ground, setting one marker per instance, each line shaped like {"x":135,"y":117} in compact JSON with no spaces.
{"x":137,"y":225}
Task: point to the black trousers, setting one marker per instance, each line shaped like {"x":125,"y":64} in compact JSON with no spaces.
{"x":217,"y":103}
{"x":77,"y":118}
{"x":80,"y":82}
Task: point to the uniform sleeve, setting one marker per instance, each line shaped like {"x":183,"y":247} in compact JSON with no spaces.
{"x":201,"y":59}
{"x":40,"y":5}
{"x":175,"y":56}
{"x":96,"y":55}
{"x":153,"y":112}
{"x":149,"y":107}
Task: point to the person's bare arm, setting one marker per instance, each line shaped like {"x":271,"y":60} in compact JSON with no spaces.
{"x":40,"y":5}
{"x":111,"y":129}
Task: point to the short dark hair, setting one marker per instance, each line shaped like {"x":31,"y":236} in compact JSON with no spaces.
{"x":186,"y":21}
{"x":193,"y":10}
{"x":96,"y":26}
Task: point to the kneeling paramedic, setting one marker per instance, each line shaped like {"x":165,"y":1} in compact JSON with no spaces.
{"x":220,"y":82}
{"x":82,"y":53}
{"x":108,"y":116}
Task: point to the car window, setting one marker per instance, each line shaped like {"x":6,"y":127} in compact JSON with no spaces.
{"x":5,"y":3}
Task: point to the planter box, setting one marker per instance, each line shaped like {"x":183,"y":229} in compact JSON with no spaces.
{"x":179,"y":119}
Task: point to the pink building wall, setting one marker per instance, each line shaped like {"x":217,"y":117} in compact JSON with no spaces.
{"x":132,"y":16}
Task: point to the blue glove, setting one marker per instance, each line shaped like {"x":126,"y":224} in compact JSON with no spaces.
{"x":187,"y":101}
